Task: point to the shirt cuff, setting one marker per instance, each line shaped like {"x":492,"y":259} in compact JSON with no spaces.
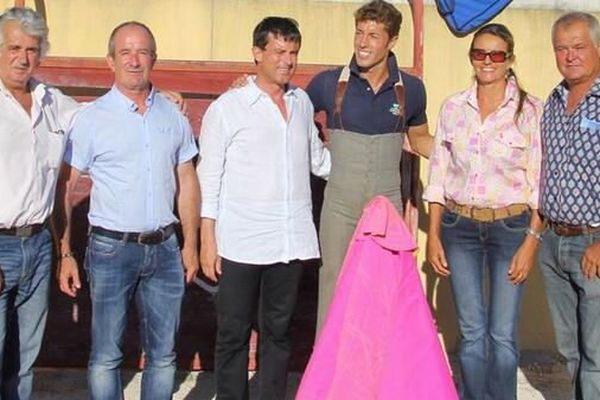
{"x":534,"y":201}
{"x":77,"y":164}
{"x":187,"y":156}
{"x":434,"y":194}
{"x":209,"y":210}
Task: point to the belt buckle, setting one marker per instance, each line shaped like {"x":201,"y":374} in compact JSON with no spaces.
{"x":24,"y":231}
{"x":151,"y":237}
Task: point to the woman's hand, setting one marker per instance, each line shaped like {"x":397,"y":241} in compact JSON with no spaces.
{"x":436,"y":255}
{"x":523,"y":260}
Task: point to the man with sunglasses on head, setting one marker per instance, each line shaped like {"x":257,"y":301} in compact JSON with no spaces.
{"x":570,"y":200}
{"x":370,"y":106}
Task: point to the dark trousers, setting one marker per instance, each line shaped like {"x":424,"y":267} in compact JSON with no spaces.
{"x":245,"y":289}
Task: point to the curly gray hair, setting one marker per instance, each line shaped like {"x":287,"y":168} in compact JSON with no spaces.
{"x":31,"y":22}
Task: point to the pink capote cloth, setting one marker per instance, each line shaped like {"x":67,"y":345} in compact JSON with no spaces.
{"x":379,"y":340}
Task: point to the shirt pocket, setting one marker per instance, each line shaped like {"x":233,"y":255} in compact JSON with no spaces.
{"x":510,"y":146}
{"x":55,"y":149}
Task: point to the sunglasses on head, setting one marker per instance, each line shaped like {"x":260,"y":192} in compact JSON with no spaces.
{"x":495,"y":56}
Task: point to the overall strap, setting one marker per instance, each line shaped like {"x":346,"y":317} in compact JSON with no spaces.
{"x":401,"y":99}
{"x":340,"y":91}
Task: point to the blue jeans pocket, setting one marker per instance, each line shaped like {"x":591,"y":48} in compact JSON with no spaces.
{"x":103,"y":247}
{"x":450,"y":219}
{"x":171,"y":244}
{"x":518,"y":223}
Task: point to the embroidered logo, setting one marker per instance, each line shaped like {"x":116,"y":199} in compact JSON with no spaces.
{"x":395,"y":109}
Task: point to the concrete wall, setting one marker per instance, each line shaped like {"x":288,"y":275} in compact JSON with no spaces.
{"x":221,"y":30}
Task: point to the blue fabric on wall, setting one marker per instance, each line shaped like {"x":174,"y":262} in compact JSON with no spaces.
{"x":465,"y":16}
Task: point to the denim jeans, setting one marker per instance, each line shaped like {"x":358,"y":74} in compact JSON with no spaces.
{"x":574,"y":303}
{"x":25,"y":263}
{"x":243,"y":290}
{"x":488,"y":313}
{"x":152,"y":274}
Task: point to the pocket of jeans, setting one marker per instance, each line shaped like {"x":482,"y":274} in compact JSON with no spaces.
{"x":450,"y":219}
{"x":172,"y":244}
{"x":518,"y":223}
{"x":104,"y":247}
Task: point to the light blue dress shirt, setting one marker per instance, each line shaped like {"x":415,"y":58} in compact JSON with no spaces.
{"x":131,"y":159}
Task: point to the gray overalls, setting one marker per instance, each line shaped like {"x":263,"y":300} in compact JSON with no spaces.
{"x":362,"y":166}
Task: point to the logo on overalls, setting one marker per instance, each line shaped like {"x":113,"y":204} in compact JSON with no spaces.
{"x":395,"y":109}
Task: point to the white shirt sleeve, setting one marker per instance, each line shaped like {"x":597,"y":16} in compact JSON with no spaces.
{"x":210,"y":169}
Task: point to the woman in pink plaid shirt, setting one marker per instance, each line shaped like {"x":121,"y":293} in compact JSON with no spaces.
{"x":483,"y":195}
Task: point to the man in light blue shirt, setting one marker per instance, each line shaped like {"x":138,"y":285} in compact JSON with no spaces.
{"x":137,"y":148}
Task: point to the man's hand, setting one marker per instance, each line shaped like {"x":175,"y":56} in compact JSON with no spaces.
{"x":176,"y":98}
{"x":522,"y":261}
{"x":190,"y":263}
{"x":436,"y":255}
{"x":68,"y":276}
{"x":590,"y":263}
{"x":210,"y":260}
{"x":239,"y":82}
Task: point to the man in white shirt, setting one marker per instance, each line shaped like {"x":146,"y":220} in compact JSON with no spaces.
{"x":34,"y":120}
{"x":258,"y":147}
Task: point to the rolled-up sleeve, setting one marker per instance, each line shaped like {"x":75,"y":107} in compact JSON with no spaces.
{"x":533,"y":115}
{"x":438,"y":163}
{"x":320,"y":158}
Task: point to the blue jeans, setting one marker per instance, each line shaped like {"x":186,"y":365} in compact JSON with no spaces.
{"x":477,"y":251}
{"x":574,"y":303}
{"x":152,"y":274}
{"x":25,"y":263}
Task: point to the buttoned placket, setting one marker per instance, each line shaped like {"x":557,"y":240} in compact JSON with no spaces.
{"x":148,"y":155}
{"x":287,"y":151}
{"x":475,"y":144}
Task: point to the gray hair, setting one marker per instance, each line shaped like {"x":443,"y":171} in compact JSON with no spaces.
{"x":577,"y":16}
{"x":32,"y":23}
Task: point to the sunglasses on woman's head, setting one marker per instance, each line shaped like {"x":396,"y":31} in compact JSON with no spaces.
{"x":495,"y":56}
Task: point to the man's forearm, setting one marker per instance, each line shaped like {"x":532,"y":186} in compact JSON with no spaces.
{"x":63,"y":210}
{"x":188,"y":203}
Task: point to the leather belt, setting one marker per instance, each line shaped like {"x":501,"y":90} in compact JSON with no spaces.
{"x":24,"y":231}
{"x":571,"y":230}
{"x":152,"y":237}
{"x":484,"y":214}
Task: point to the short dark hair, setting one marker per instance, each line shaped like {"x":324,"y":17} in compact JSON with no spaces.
{"x":382,"y":12}
{"x":113,"y":34}
{"x":280,"y":27}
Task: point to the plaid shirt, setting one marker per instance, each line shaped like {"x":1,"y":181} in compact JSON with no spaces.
{"x":492,"y":163}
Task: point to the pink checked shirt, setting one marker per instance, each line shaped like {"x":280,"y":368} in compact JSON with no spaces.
{"x":492,"y":163}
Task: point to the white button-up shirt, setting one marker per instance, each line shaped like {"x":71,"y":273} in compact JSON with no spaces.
{"x":31,"y":151}
{"x":254,"y":175}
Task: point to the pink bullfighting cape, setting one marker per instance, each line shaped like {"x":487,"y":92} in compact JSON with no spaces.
{"x":379,"y":340}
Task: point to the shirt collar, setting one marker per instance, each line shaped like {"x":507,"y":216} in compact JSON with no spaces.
{"x":392,"y":64}
{"x":562,"y":90}
{"x":129,"y":104}
{"x":510,"y":93}
{"x":38,"y":90}
{"x":253,"y":93}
